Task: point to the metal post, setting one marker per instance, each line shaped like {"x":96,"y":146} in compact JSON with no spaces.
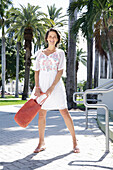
{"x":107,"y":129}
{"x":86,"y":118}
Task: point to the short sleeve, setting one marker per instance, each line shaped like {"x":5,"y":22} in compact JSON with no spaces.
{"x":62,"y":60}
{"x":36,"y":65}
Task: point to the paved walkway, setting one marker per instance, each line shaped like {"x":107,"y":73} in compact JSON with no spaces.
{"x":17,"y":144}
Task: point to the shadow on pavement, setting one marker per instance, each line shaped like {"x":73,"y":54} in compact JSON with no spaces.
{"x":54,"y":126}
{"x":85,"y":163}
{"x":28,"y":162}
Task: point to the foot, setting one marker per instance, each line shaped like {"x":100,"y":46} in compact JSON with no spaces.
{"x":75,"y":147}
{"x":76,"y":150}
{"x":40,"y":148}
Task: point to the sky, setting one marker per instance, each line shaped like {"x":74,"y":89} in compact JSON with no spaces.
{"x":43,"y":3}
{"x":58,"y":3}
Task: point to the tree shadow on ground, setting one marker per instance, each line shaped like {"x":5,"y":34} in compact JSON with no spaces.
{"x":55,"y":126}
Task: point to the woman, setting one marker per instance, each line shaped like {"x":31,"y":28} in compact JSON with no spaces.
{"x":49,"y":67}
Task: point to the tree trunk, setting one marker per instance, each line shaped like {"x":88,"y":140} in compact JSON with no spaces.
{"x":76,"y":71}
{"x":109,"y":45}
{"x":96,"y":69}
{"x":71,"y":64}
{"x":89,"y":65}
{"x":3,"y":63}
{"x":106,"y":65}
{"x":76,"y":81}
{"x":28,"y":35}
{"x":26,"y":77}
{"x":109,"y":68}
{"x":103,"y":73}
{"x":17,"y":69}
{"x":110,"y":53}
{"x":101,"y":67}
{"x":89,"y":62}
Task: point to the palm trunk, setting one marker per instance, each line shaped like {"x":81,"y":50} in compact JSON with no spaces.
{"x":96,"y":69}
{"x":89,"y":65}
{"x":109,"y":45}
{"x":76,"y":71}
{"x":89,"y":62}
{"x":71,"y":65}
{"x":76,"y":81}
{"x":3,"y":62}
{"x":28,"y":35}
{"x":17,"y":69}
{"x":26,"y":76}
{"x":101,"y":67}
{"x":106,"y":65}
{"x":110,"y":52}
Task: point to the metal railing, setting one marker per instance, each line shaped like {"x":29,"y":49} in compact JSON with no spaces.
{"x":102,"y":91}
{"x":104,"y":88}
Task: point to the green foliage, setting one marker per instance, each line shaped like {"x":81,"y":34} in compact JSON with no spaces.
{"x":64,"y":43}
{"x":11,"y":53}
{"x":82,"y":85}
{"x":92,"y":11}
{"x":80,"y":57}
{"x":28,"y":17}
{"x":56,"y":17}
{"x":4,"y":4}
{"x":11,"y":102}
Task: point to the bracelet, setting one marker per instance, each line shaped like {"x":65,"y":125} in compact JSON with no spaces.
{"x":38,"y":87}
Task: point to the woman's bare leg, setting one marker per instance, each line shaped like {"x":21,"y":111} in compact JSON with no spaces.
{"x":41,"y":128}
{"x":69,"y":123}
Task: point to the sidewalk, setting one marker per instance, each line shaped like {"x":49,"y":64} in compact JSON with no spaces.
{"x":17,"y":144}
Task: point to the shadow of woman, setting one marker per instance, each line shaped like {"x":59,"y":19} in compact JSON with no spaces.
{"x":28,"y":162}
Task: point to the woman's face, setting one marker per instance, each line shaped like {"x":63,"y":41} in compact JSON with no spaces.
{"x":52,"y":38}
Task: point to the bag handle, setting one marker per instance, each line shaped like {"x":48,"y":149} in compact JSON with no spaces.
{"x":41,"y":103}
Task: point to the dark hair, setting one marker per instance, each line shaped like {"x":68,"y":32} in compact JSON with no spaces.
{"x":58,"y":35}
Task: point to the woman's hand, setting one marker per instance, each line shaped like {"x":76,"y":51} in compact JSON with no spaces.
{"x":49,"y":91}
{"x":37,"y":92}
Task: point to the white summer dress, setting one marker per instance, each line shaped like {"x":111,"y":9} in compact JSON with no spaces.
{"x":49,"y":66}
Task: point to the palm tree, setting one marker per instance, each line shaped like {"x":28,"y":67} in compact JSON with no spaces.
{"x":71,"y":63}
{"x":29,"y":24}
{"x":55,"y":16}
{"x":3,"y":22}
{"x":81,"y":23}
{"x":96,"y":10}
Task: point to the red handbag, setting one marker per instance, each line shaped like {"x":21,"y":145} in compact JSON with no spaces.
{"x":27,"y":112}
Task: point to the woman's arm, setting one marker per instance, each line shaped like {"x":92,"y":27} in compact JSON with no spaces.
{"x":57,"y":78}
{"x":37,"y":88}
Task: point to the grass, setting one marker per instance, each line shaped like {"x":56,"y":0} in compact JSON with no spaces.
{"x":81,"y":106}
{"x":11,"y":102}
{"x":11,"y":96}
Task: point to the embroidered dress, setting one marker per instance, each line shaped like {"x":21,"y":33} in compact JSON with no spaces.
{"x":49,"y":66}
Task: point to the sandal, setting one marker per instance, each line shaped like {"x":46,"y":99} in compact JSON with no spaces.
{"x":76,"y":150}
{"x":37,"y":150}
